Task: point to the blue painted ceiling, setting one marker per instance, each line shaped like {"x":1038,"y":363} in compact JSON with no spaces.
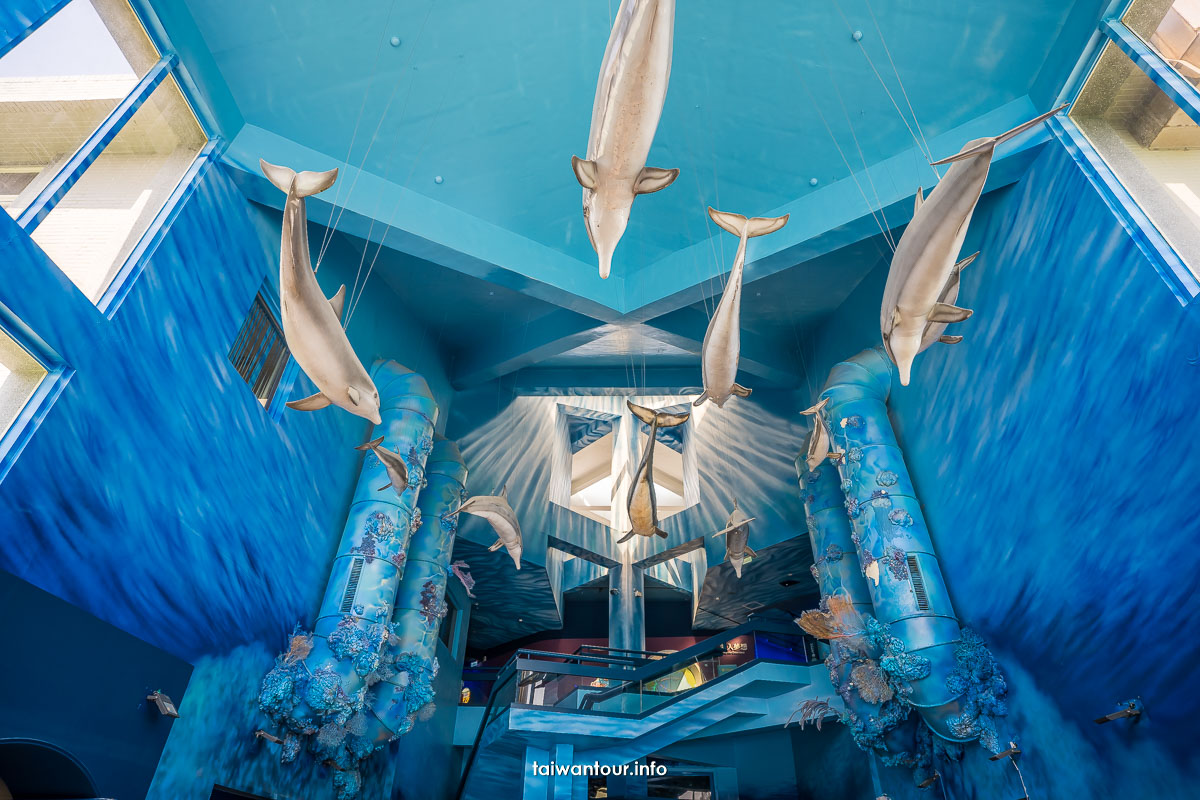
{"x":470,"y":120}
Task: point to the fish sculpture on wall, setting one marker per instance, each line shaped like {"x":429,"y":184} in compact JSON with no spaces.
{"x":642,"y":505}
{"x":312,"y":325}
{"x":723,"y":339}
{"x":737,"y":534}
{"x":629,"y":101}
{"x":393,"y":464}
{"x":499,"y":514}
{"x":818,"y":440}
{"x":925,"y":259}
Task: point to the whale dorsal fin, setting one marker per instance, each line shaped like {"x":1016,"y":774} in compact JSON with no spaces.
{"x":966,"y":262}
{"x":311,"y":403}
{"x":338,"y":301}
{"x":585,"y":172}
{"x":653,"y":179}
{"x":919,"y":199}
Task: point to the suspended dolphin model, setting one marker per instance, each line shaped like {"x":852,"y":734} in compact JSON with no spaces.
{"x":499,"y":514}
{"x":723,"y":339}
{"x":818,"y":440}
{"x":925,"y":257}
{"x":397,"y":470}
{"x":936,"y":331}
{"x":629,"y":101}
{"x":642,"y":504}
{"x":312,"y":325}
{"x":737,"y":533}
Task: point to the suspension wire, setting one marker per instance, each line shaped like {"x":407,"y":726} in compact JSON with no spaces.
{"x":908,"y":101}
{"x":887,"y":233}
{"x":812,"y":98}
{"x":921,"y":143}
{"x":375,"y":134}
{"x":328,"y":234}
{"x":412,"y":170}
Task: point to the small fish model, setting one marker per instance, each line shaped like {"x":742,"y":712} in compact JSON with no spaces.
{"x":925,"y":258}
{"x":312,"y":325}
{"x":499,"y":514}
{"x":818,"y":440}
{"x":629,"y":101}
{"x":642,"y":504}
{"x":737,"y":533}
{"x":723,"y":339}
{"x":393,"y":464}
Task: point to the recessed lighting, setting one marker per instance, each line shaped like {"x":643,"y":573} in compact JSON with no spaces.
{"x":856,"y":36}
{"x":394,"y":41}
{"x":439,"y":180}
{"x":788,"y":582}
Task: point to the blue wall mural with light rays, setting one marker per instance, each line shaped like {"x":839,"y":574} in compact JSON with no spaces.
{"x":1049,"y":450}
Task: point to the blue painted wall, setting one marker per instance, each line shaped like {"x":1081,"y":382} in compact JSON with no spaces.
{"x":104,"y":723}
{"x":1050,"y":450}
{"x":159,"y":496}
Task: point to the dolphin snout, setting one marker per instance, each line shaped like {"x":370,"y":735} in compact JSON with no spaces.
{"x":605,"y":263}
{"x":378,"y":420}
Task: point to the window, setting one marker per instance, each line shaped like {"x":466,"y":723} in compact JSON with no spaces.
{"x":104,"y":136}
{"x":259,"y":353}
{"x":32,"y":377}
{"x":1138,"y":109}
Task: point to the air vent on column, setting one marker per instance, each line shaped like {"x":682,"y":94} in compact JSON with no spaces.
{"x":352,"y":585}
{"x":918,"y":582}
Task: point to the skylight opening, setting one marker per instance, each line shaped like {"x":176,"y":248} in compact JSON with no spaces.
{"x":1150,"y":145}
{"x":20,"y":376}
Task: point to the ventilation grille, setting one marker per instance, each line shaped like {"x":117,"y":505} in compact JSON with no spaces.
{"x":918,"y":583}
{"x":352,"y":585}
{"x":259,"y":353}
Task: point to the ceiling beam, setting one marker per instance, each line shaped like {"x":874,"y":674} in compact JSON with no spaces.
{"x":377,"y":210}
{"x":603,"y":380}
{"x":508,"y":351}
{"x":831,"y":217}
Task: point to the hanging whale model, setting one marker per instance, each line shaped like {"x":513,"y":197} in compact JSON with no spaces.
{"x":397,"y":470}
{"x":737,"y":533}
{"x":499,"y":514}
{"x":642,"y":504}
{"x":723,"y":339}
{"x":925,"y":258}
{"x":818,"y":440}
{"x":629,"y":101}
{"x":312,"y":325}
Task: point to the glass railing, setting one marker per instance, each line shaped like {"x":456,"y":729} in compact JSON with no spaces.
{"x":632,"y":683}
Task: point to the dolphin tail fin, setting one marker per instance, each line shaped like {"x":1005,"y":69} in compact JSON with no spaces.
{"x":741,"y":226}
{"x":371,"y":444}
{"x":989,"y":144}
{"x":313,"y":402}
{"x":646,"y":415}
{"x":813,"y":411}
{"x":286,"y":179}
{"x":625,"y":538}
{"x":650,"y":416}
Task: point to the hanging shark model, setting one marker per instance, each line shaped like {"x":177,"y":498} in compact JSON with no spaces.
{"x":629,"y":101}
{"x":723,"y":339}
{"x":499,"y":514}
{"x":312,"y":325}
{"x":925,"y":257}
{"x":737,"y":533}
{"x":818,"y":440}
{"x":393,"y":464}
{"x":642,"y":504}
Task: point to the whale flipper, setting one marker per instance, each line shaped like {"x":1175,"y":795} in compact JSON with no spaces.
{"x":750,"y":552}
{"x":499,"y":543}
{"x":625,"y":538}
{"x":338,"y":302}
{"x":699,"y":401}
{"x":661,"y":532}
{"x":653,"y":179}
{"x":585,"y":172}
{"x":314,"y":402}
{"x":741,"y":391}
{"x":943,"y":312}
{"x":950,"y":339}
